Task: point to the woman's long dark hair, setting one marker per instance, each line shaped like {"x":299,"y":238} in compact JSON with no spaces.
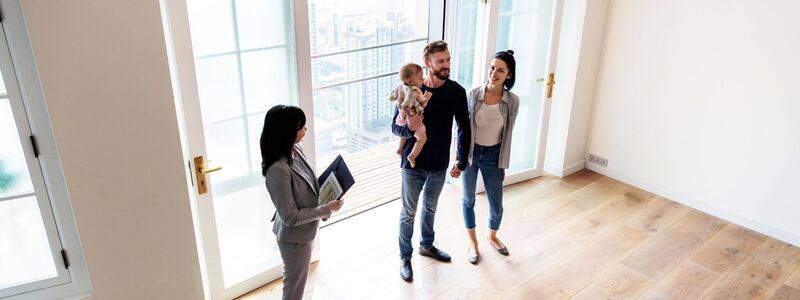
{"x":280,"y":130}
{"x":508,"y":57}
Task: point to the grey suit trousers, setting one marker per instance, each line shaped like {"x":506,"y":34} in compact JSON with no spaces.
{"x":296,"y":259}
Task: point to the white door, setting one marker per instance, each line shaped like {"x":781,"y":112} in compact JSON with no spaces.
{"x":530,"y":28}
{"x":231,"y":61}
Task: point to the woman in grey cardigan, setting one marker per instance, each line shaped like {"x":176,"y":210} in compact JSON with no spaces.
{"x":294,"y":190}
{"x":493,"y":109}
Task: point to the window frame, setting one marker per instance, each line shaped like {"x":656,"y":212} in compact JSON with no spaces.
{"x":53,"y":184}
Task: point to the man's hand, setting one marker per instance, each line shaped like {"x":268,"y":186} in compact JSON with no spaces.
{"x":415,"y":122}
{"x":455,"y":172}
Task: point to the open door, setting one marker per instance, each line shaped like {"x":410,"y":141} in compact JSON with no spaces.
{"x":530,"y":28}
{"x":225,"y":77}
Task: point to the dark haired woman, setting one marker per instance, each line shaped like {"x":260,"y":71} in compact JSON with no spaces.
{"x":294,"y":190}
{"x":493,"y":109}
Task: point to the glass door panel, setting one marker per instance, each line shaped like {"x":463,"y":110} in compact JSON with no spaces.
{"x":231,"y":62}
{"x":357,"y":47}
{"x":30,"y":245}
{"x":524,"y":26}
{"x":25,"y":253}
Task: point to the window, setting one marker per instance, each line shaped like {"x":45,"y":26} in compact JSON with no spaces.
{"x":244,"y":59}
{"x":37,"y":233}
{"x":466,"y":20}
{"x":356,"y":49}
{"x":526,"y":29}
{"x":243,"y":65}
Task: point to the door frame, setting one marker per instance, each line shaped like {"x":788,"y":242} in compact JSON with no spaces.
{"x":175,"y":18}
{"x":182,"y":69}
{"x":485,"y":43}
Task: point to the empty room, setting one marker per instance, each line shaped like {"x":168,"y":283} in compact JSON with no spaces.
{"x":418,"y":149}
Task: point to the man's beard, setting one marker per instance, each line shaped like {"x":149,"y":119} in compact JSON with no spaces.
{"x":442,"y":74}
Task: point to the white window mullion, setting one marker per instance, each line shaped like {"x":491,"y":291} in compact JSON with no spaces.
{"x":436,"y":20}
{"x":486,"y":38}
{"x":302,"y":48}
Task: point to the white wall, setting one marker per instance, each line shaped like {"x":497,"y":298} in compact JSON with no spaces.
{"x":581,"y":40}
{"x":104,"y":72}
{"x":698,"y":101}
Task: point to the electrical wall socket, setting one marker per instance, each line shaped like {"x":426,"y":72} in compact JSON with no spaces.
{"x":598,"y":160}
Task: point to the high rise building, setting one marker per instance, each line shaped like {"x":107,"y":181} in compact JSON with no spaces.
{"x":366,"y":107}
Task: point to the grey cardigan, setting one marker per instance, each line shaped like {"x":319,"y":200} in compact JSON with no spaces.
{"x":509,"y":107}
{"x":296,"y":200}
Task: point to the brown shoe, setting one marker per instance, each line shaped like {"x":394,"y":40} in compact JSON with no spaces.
{"x":503,"y":250}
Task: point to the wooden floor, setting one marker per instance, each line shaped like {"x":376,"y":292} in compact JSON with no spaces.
{"x":582,"y":237}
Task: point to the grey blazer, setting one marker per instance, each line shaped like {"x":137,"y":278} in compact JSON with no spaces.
{"x":509,"y":107}
{"x":296,"y":198}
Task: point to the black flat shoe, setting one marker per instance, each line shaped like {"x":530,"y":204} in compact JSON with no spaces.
{"x":405,"y":271}
{"x":435,"y":254}
{"x":503,"y":251}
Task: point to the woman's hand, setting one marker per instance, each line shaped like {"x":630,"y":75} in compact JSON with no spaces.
{"x":335,"y":205}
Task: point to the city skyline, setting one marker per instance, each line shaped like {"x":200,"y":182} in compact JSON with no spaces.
{"x":357,"y":116}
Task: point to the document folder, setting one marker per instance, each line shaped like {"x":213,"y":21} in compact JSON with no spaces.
{"x":335,"y":181}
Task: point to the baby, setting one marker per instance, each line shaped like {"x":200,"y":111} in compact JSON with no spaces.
{"x":410,"y":102}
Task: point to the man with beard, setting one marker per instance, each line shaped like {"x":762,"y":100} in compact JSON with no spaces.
{"x":449,"y":101}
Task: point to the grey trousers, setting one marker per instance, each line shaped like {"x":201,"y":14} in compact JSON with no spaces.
{"x":296,"y":259}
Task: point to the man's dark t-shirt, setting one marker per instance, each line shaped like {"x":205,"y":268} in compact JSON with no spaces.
{"x":447,"y":102}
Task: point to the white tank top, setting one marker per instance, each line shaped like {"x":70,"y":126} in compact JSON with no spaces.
{"x":489,"y":125}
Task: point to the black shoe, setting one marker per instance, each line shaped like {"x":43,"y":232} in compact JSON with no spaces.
{"x":503,"y":251}
{"x":435,"y":254}
{"x":405,"y":270}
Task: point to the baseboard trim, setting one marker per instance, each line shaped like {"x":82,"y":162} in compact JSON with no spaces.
{"x":574,"y":168}
{"x":557,"y":171}
{"x":716,"y":211}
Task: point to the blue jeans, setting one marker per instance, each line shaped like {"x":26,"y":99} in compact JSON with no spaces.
{"x":416,"y":181}
{"x":484,"y":159}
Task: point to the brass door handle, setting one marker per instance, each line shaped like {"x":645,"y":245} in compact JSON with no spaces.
{"x":206,"y":171}
{"x":200,"y":172}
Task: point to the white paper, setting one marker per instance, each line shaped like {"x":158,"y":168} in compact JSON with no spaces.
{"x":330,"y":189}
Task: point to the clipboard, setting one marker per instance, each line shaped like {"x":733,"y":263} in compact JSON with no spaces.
{"x":341,"y":173}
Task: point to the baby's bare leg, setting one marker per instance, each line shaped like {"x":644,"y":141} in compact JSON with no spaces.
{"x":421,"y":139}
{"x":400,"y":146}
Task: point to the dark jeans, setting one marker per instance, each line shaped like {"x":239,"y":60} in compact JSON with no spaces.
{"x":430,"y":184}
{"x":484,"y":159}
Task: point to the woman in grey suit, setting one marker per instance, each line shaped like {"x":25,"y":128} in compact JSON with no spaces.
{"x":294,"y":190}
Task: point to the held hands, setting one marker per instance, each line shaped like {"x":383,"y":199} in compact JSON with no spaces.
{"x":455,"y":172}
{"x":335,"y":205}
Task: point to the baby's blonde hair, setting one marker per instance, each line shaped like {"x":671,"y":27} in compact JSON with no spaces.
{"x":408,"y":71}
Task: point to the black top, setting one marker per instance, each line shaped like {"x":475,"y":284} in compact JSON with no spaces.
{"x":447,"y":102}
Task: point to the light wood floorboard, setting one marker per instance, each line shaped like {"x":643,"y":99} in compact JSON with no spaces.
{"x":585,"y":236}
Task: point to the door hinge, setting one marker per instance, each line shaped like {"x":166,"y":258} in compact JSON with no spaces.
{"x":550,"y":83}
{"x":35,"y":146}
{"x":65,"y":259}
{"x":189,"y":165}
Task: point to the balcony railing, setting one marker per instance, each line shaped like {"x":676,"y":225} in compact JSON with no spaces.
{"x":377,"y":175}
